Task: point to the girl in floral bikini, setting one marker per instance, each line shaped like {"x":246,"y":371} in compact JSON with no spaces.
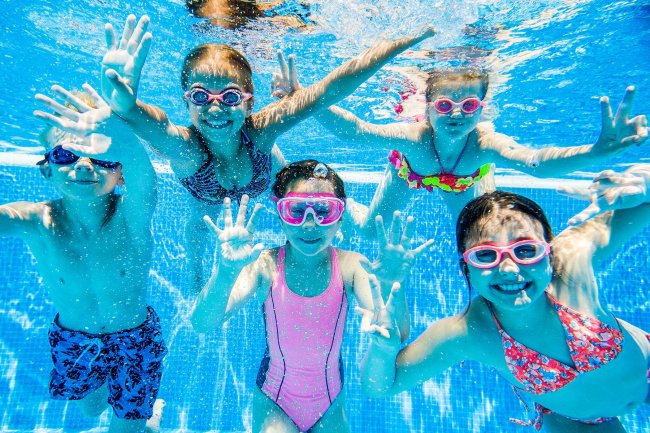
{"x":452,"y":151}
{"x":536,"y":291}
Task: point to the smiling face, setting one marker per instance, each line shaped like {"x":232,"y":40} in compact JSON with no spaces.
{"x":310,"y":238}
{"x":508,"y":285}
{"x":456,"y":122}
{"x":216,"y":120}
{"x":83,"y":179}
{"x":80,"y":179}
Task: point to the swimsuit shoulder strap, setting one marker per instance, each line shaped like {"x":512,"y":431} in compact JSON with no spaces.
{"x":494,"y":316}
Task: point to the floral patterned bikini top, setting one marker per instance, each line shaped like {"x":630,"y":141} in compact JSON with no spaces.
{"x":446,"y":181}
{"x":591,"y":342}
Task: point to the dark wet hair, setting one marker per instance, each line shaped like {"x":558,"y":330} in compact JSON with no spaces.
{"x":305,"y":170}
{"x":481,"y":207}
{"x":217,"y":59}
{"x":486,"y":204}
{"x":436,"y":76}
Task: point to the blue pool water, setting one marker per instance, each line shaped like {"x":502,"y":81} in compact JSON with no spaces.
{"x":552,"y":60}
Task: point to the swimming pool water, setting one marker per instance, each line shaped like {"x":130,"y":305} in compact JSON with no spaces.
{"x":554,"y":59}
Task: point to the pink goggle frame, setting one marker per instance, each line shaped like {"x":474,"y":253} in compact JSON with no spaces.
{"x":446,"y":105}
{"x":526,"y":252}
{"x":325,"y":208}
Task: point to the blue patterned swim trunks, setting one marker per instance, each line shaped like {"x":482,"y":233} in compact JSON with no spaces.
{"x":130,"y":361}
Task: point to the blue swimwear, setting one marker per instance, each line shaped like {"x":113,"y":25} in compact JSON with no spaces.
{"x":204,"y":184}
{"x":129,"y":360}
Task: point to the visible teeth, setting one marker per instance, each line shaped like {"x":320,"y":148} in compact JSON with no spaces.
{"x":512,"y":287}
{"x":217,"y":123}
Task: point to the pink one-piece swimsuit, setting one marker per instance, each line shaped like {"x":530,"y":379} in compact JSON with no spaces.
{"x":302,"y":370}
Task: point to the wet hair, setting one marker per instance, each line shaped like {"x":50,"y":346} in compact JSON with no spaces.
{"x":436,"y":76}
{"x":486,"y":205}
{"x":306,"y":169}
{"x":235,"y":13}
{"x":217,"y":59}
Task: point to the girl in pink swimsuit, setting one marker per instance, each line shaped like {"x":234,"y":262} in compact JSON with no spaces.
{"x":537,"y":291}
{"x":306,"y":286}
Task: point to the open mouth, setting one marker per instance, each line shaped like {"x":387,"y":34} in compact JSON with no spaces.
{"x":217,"y":124}
{"x":512,"y":287}
{"x":310,"y":241}
{"x":454,"y":124}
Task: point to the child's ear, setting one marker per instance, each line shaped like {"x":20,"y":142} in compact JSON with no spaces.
{"x":46,"y":170}
{"x":120,"y":181}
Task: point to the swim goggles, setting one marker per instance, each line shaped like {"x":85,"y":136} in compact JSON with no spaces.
{"x":526,"y":252}
{"x":446,"y":105}
{"x":230,"y":96}
{"x":325,"y":208}
{"x":60,"y":156}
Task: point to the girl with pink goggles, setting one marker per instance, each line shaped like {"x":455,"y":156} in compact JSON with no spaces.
{"x":325,"y":208}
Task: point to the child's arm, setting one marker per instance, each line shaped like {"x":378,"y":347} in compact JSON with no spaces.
{"x":120,"y":77}
{"x":237,"y":274}
{"x":106,"y":136}
{"x":21,"y":219}
{"x":278,"y":117}
{"x":619,"y":209}
{"x":344,"y":124}
{"x":392,"y":265}
{"x":388,"y":370}
{"x":617,"y":134}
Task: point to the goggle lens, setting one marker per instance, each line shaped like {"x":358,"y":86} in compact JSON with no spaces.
{"x":525,"y":252}
{"x":443,"y":106}
{"x":231,"y":97}
{"x":470,"y":105}
{"x":199,"y":97}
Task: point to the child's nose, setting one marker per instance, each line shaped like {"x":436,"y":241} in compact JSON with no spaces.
{"x":84,"y":164}
{"x":507,"y":265}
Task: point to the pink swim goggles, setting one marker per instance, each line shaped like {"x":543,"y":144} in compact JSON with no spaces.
{"x":446,"y":105}
{"x":325,"y":208}
{"x":526,"y":252}
{"x":230,"y":97}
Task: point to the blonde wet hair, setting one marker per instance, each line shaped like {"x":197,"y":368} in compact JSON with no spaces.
{"x":437,"y":76}
{"x":217,"y":59}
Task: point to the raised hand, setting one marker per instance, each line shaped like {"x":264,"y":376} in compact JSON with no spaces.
{"x":285,"y":80}
{"x":92,"y":122}
{"x":234,"y":241}
{"x":122,"y":64}
{"x":609,"y":191}
{"x":620,"y":132}
{"x":395,"y":258}
{"x":381,"y":322}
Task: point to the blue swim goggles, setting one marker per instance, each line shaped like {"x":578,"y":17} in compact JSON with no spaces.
{"x":60,"y":156}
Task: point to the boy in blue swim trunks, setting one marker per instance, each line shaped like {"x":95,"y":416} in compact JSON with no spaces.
{"x":93,"y":248}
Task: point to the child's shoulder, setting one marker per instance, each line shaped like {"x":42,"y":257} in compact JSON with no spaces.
{"x":23,"y":218}
{"x":30,"y":212}
{"x":348,"y":256}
